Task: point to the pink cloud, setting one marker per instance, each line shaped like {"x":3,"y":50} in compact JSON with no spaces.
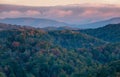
{"x":90,"y":13}
{"x":59,"y":13}
{"x":32,"y":13}
{"x":15,"y":13}
{"x":6,"y":14}
{"x":72,"y":14}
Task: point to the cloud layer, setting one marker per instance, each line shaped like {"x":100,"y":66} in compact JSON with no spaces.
{"x":75,"y":14}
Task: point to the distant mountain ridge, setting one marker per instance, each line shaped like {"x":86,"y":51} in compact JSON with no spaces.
{"x":50,"y":24}
{"x":115,"y":20}
{"x":34,"y":22}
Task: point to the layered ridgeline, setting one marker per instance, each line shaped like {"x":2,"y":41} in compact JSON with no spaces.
{"x":102,"y":23}
{"x":110,"y":33}
{"x":31,"y":52}
{"x":34,"y":22}
{"x":49,"y":24}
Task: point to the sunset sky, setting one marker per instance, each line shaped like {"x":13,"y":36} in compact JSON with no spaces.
{"x":57,"y":2}
{"x":70,"y":11}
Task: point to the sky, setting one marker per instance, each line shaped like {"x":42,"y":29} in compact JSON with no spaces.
{"x":57,"y":2}
{"x":69,"y":11}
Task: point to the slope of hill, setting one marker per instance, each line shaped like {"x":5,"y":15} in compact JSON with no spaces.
{"x":8,"y":26}
{"x":38,"y":53}
{"x":72,"y":40}
{"x":60,"y":28}
{"x":66,"y":37}
{"x":109,"y":32}
{"x":100,"y":23}
{"x":34,"y":22}
{"x":4,"y":26}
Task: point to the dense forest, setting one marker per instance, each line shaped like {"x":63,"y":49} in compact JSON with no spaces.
{"x":31,"y":52}
{"x":109,"y":32}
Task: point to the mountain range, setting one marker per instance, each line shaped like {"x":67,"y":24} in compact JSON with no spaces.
{"x":69,"y":44}
{"x":34,"y":22}
{"x":115,"y":20}
{"x":53,"y":24}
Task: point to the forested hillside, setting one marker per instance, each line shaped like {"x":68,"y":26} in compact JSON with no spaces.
{"x":109,"y":33}
{"x":30,"y":52}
